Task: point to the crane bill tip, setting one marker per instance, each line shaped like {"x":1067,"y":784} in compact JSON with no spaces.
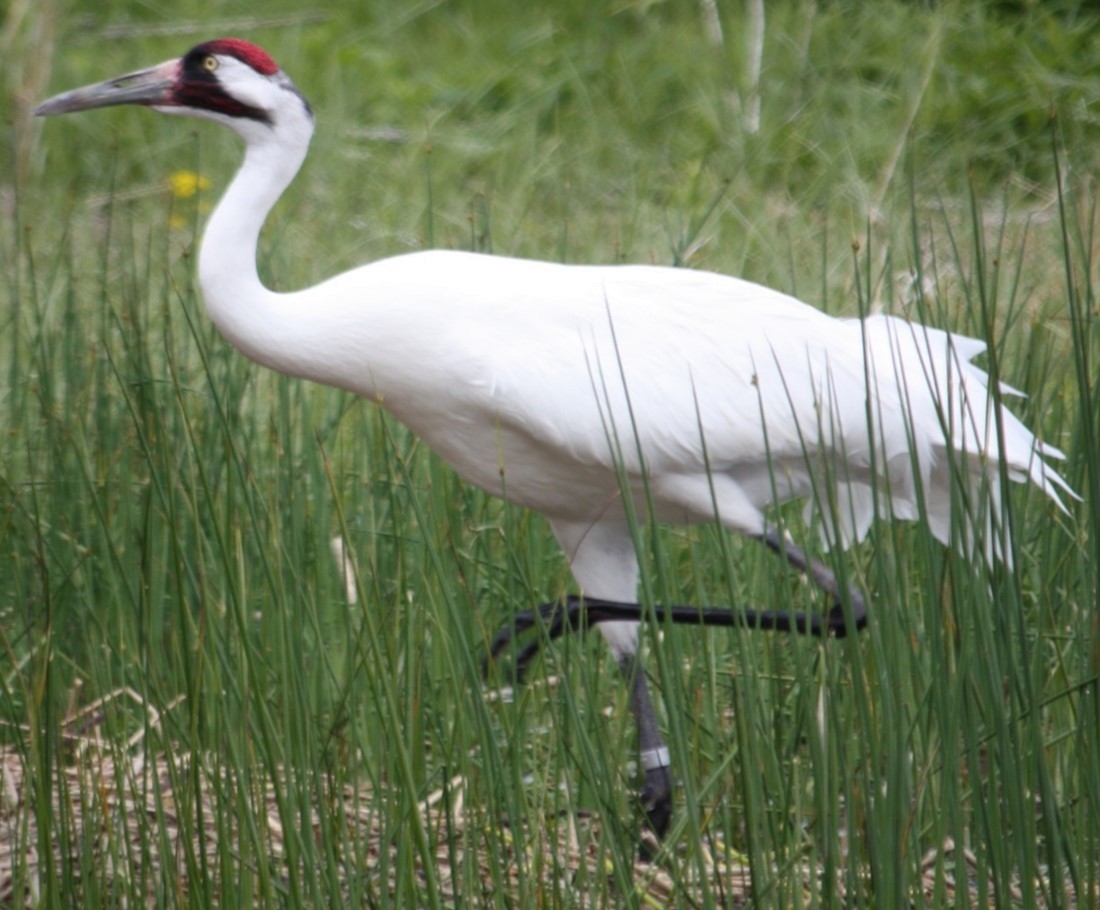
{"x":66,"y":103}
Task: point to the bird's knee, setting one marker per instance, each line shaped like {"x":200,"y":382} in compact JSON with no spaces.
{"x":622,"y":639}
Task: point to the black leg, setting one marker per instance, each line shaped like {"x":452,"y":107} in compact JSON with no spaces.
{"x":556,"y":618}
{"x":848,"y":614}
{"x":836,"y":621}
{"x":653,"y":756}
{"x":577,"y":613}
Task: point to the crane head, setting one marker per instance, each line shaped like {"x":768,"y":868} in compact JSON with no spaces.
{"x":228,"y":80}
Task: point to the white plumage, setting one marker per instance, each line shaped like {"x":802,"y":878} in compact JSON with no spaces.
{"x":563,"y":388}
{"x":707,"y":394}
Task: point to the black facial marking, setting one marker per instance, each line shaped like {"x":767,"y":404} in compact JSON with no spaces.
{"x":199,"y":87}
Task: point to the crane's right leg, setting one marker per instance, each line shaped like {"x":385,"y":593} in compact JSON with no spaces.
{"x":821,"y":576}
{"x":848,"y":613}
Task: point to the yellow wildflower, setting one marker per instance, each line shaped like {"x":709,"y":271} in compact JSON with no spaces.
{"x":185,"y":184}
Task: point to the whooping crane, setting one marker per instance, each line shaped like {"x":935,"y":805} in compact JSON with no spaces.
{"x":586,"y":393}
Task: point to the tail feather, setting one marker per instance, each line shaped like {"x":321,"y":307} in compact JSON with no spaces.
{"x":942,"y":441}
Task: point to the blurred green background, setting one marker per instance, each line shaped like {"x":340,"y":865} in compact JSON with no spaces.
{"x":191,"y":710}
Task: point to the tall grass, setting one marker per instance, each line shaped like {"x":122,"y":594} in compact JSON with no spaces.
{"x":196,"y":713}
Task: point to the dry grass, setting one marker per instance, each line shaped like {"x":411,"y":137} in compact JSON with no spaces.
{"x":130,"y":804}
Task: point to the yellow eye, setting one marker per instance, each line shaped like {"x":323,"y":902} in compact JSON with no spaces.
{"x":210,"y":63}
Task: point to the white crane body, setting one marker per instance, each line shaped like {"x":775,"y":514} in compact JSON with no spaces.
{"x":542,"y":382}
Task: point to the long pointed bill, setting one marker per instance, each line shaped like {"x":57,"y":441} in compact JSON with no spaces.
{"x":151,"y":87}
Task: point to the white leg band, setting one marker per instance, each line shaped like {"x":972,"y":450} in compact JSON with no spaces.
{"x":652,"y":759}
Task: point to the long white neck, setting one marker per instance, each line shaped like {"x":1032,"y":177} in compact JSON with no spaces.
{"x":248,"y":314}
